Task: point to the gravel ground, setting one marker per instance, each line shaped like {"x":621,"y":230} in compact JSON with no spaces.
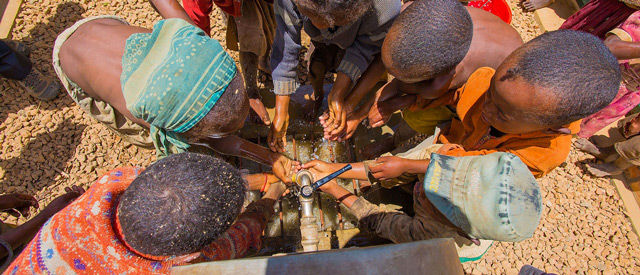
{"x":46,"y":146}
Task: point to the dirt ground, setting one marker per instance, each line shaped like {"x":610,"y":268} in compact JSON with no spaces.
{"x":46,"y":146}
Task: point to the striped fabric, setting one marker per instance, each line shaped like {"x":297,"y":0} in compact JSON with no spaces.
{"x":82,"y":238}
{"x":171,"y":78}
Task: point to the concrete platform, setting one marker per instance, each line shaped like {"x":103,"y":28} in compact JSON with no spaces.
{"x":437,"y":256}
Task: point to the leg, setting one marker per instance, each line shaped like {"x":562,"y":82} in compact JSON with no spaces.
{"x":14,"y":65}
{"x":601,"y":153}
{"x":249,"y":64}
{"x":198,"y":11}
{"x":609,"y":168}
{"x":317,"y":71}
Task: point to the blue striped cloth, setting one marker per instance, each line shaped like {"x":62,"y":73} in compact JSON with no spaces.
{"x":171,"y":78}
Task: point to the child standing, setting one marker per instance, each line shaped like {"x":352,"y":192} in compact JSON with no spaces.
{"x":346,"y":35}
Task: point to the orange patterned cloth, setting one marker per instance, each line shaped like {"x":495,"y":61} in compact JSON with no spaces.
{"x":541,"y":152}
{"x":82,"y":238}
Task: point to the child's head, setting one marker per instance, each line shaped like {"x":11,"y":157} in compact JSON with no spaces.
{"x":492,"y":197}
{"x":179,"y":204}
{"x":226,"y":116}
{"x":427,"y":40}
{"x":331,"y":13}
{"x":552,"y":80}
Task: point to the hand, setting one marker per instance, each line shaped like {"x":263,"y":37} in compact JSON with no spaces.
{"x":347,"y":132}
{"x":337,"y":112}
{"x":277,"y":138}
{"x":329,"y":187}
{"x":388,"y":168}
{"x":448,"y":147}
{"x":17,"y":204}
{"x":283,"y":167}
{"x":632,"y":127}
{"x":320,"y":167}
{"x":62,"y":201}
{"x":380,"y":113}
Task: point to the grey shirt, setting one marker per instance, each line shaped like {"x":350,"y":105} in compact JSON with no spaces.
{"x":361,"y":39}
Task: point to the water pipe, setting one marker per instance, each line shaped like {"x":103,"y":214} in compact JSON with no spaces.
{"x":308,"y":224}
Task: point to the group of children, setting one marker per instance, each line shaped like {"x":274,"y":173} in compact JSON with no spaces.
{"x":499,"y":113}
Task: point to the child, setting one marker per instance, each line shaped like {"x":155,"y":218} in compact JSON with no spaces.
{"x":621,"y":155}
{"x":428,"y":62}
{"x":134,"y":80}
{"x":345,"y":35}
{"x":624,"y":43}
{"x":492,"y":197}
{"x":251,"y":23}
{"x":182,"y":209}
{"x":531,"y":105}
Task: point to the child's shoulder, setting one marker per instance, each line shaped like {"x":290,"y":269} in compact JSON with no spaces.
{"x":478,"y":82}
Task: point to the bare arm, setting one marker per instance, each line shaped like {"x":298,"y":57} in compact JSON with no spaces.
{"x":170,"y":9}
{"x":236,"y":146}
{"x":622,"y":49}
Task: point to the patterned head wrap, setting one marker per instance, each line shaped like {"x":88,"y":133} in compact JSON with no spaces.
{"x":171,"y":78}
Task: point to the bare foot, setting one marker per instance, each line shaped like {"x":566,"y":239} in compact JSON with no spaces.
{"x":587,"y":146}
{"x":377,"y":148}
{"x":258,"y":112}
{"x":531,"y":5}
{"x":62,"y":201}
{"x":311,"y":109}
{"x":603,"y":169}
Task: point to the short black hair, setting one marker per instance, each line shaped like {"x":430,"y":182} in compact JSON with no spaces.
{"x":429,"y":38}
{"x":332,"y":11}
{"x":180,"y":204}
{"x":226,"y":111}
{"x":575,"y":66}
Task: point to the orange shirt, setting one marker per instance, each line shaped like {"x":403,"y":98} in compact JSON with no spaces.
{"x":541,"y":151}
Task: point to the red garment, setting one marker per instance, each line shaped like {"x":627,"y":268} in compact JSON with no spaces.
{"x":598,"y":17}
{"x":199,"y":10}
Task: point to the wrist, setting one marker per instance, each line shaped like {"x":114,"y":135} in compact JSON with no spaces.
{"x":416,"y":166}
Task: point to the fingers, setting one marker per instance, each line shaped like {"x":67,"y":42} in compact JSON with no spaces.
{"x":27,"y":200}
{"x":340,"y":128}
{"x":270,"y":141}
{"x":311,"y":164}
{"x":13,"y":212}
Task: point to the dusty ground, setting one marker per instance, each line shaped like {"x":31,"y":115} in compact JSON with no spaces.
{"x":46,"y":146}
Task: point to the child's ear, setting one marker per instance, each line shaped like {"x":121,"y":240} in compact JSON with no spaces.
{"x":186,"y":258}
{"x":558,"y":130}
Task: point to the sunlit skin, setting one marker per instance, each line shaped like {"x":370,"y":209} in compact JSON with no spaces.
{"x":508,"y":104}
{"x":92,"y":58}
{"x":487,"y":50}
{"x":340,"y":120}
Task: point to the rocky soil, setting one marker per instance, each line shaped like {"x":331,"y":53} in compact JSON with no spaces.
{"x":46,"y":146}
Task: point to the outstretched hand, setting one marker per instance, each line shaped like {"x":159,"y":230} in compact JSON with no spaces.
{"x":17,"y":204}
{"x":388,"y":167}
{"x":283,"y":168}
